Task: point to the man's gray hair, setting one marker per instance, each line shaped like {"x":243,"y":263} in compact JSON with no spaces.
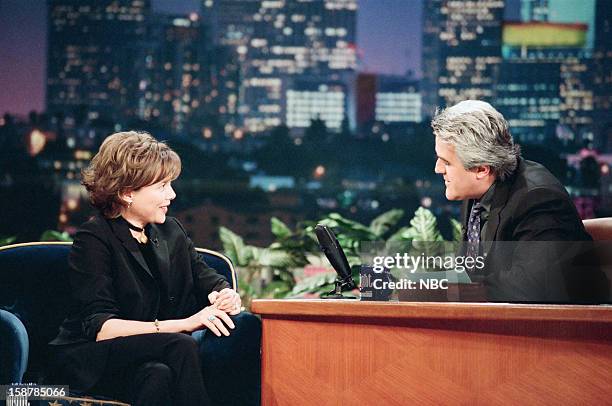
{"x":480,"y":136}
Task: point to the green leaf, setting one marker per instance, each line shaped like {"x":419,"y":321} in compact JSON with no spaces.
{"x":285,"y":275}
{"x":403,"y":234}
{"x":52,"y":235}
{"x":7,"y":240}
{"x":425,"y":226}
{"x":276,"y":289}
{"x":350,"y":225}
{"x":457,"y":232}
{"x":410,"y":233}
{"x":353,"y":260}
{"x":312,"y":283}
{"x":331,"y":223}
{"x":234,"y":247}
{"x":427,"y":237}
{"x":383,"y":223}
{"x":279,"y":229}
{"x":274,"y":258}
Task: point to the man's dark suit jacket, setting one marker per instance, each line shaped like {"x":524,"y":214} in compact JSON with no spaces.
{"x":109,"y":278}
{"x":536,"y":242}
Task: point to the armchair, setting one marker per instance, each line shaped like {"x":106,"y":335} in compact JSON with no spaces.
{"x":34,"y":296}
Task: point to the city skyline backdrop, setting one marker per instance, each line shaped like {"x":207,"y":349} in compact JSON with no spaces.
{"x":23,"y":39}
{"x":259,"y":96}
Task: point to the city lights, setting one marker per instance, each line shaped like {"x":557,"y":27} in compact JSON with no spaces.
{"x":36,"y":142}
{"x":282,"y":92}
{"x":319,"y":171}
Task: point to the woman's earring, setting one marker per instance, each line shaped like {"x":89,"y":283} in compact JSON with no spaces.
{"x":129,"y":204}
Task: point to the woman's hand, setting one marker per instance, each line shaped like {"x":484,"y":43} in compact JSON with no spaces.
{"x":227,"y":300}
{"x":213,"y":319}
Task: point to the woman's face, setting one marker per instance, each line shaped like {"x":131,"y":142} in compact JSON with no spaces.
{"x":150,"y":203}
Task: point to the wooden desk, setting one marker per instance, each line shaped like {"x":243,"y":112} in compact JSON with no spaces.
{"x":329,"y":352}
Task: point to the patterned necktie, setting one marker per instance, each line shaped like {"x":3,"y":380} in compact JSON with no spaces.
{"x":473,"y":231}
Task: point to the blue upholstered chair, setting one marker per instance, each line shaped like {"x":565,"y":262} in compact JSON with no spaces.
{"x":13,"y":348}
{"x":34,"y":297}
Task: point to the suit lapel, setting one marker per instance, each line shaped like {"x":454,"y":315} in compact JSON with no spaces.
{"x":121,"y":230}
{"x":465,"y":210}
{"x":502,"y":192}
{"x":492,"y":225}
{"x":160,"y":248}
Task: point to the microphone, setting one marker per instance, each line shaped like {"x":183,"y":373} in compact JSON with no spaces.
{"x":335,"y":255}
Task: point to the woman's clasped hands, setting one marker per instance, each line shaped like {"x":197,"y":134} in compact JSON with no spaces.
{"x":227,"y":300}
{"x":213,"y":319}
{"x":216,"y":316}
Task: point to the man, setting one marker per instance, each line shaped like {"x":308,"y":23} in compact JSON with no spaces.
{"x":515,"y":212}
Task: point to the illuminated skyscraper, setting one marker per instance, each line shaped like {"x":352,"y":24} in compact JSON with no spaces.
{"x":430,"y":59}
{"x":546,"y":88}
{"x":282,"y":41}
{"x":387,"y":102}
{"x":230,"y":27}
{"x":602,"y":75}
{"x":397,"y":100}
{"x":95,"y":56}
{"x":540,"y":80}
{"x":461,"y":50}
{"x":171,"y":92}
{"x":223,"y":92}
{"x":562,"y":11}
{"x":534,"y":10}
{"x":231,"y":21}
{"x":307,"y":101}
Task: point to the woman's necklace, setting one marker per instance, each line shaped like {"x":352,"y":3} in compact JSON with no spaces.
{"x":142,"y":237}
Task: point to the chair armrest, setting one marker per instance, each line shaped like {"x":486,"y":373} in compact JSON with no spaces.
{"x":14,"y":348}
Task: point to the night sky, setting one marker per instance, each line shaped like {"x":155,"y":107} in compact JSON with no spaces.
{"x":388,"y":36}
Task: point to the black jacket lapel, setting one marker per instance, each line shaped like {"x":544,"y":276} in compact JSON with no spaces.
{"x":465,"y":213}
{"x":160,"y":248}
{"x":502,"y":193}
{"x":122,"y":231}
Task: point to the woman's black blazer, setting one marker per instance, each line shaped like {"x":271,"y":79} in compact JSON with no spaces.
{"x":109,"y":277}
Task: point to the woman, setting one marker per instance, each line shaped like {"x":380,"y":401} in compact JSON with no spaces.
{"x":139,"y":285}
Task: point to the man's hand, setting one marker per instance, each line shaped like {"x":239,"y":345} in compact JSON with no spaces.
{"x":227,"y":300}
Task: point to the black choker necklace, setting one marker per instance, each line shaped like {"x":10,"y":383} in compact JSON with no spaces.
{"x":133,"y":227}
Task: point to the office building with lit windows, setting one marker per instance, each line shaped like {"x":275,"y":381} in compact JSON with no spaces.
{"x":430,"y":49}
{"x":95,"y":56}
{"x":562,"y":11}
{"x":281,"y":42}
{"x":222,"y":92}
{"x":537,"y":79}
{"x":545,"y":88}
{"x":307,"y":101}
{"x":397,"y":100}
{"x":171,"y":91}
{"x":601,"y":69}
{"x":461,"y":51}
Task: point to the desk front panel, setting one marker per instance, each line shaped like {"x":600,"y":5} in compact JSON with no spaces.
{"x":337,"y":358}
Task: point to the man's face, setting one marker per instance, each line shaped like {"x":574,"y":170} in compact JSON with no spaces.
{"x":460,"y":183}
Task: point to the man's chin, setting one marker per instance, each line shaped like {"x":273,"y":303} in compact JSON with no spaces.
{"x":451,"y":196}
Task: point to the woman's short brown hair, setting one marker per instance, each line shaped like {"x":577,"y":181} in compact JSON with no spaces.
{"x":127,"y":161}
